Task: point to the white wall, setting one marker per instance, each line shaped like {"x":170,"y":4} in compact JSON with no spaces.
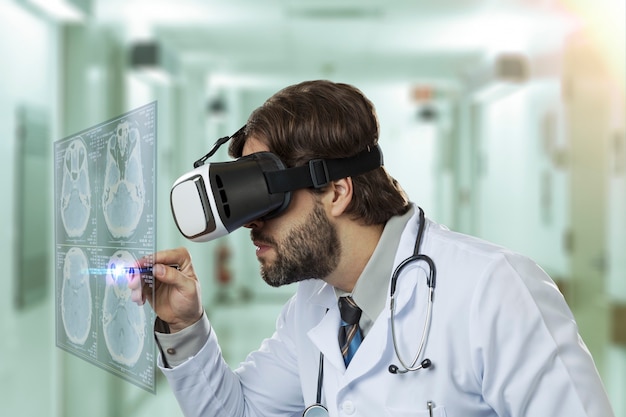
{"x":27,"y":76}
{"x":517,"y":208}
{"x":409,"y":144}
{"x":616,"y":279}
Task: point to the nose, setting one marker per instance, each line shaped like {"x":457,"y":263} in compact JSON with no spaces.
{"x":254,"y":224}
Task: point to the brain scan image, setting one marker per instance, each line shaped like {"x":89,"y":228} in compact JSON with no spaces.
{"x":76,"y":296}
{"x":123,"y":321}
{"x":123,"y":196}
{"x":75,"y":191}
{"x":105,"y":218}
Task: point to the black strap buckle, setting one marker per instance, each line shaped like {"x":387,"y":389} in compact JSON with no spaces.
{"x":319,"y":172}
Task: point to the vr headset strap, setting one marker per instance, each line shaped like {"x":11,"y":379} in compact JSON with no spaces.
{"x":319,"y":172}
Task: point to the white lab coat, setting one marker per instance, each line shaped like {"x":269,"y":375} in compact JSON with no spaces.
{"x":502,"y":343}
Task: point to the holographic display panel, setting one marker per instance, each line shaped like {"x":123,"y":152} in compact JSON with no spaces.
{"x":105,"y":215}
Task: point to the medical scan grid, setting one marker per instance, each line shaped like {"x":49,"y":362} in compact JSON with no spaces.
{"x":105,"y":214}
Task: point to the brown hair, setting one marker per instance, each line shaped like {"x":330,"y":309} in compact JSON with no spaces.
{"x":322,"y":119}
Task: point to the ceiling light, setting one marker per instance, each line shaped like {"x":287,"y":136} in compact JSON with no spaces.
{"x":62,"y":10}
{"x":498,"y":76}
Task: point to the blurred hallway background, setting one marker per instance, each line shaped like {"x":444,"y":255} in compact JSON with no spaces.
{"x":502,"y":119}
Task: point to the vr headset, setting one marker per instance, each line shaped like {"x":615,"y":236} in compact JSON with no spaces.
{"x":216,"y":198}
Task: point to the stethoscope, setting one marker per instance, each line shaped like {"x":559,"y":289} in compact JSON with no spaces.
{"x":317,"y":409}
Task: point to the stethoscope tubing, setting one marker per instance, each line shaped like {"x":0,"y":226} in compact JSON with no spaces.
{"x":425,"y":332}
{"x":431,"y":281}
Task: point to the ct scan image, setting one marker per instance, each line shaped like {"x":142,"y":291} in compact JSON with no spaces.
{"x":105,"y":211}
{"x":123,"y":321}
{"x":123,"y":195}
{"x":75,"y":191}
{"x":76,"y":300}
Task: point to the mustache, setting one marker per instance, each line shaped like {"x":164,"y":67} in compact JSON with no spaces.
{"x":257,"y":236}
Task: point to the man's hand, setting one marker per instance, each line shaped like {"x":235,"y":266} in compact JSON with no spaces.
{"x":177,"y":299}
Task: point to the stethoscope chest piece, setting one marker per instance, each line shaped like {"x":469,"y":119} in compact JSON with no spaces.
{"x":315,"y":410}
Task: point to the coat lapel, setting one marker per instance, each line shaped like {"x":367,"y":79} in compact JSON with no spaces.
{"x":324,"y":335}
{"x":377,"y":343}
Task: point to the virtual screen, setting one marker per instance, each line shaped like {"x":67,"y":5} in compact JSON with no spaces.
{"x":105,"y":215}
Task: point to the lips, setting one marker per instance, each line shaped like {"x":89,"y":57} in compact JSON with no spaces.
{"x":262,"y":242}
{"x":261,"y":247}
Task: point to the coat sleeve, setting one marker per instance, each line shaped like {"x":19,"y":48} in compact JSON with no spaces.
{"x":527,"y":351}
{"x":266,"y":384}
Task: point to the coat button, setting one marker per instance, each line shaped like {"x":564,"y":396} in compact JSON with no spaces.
{"x":348,"y":407}
{"x":171,"y":351}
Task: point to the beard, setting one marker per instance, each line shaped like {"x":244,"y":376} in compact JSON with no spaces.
{"x":309,"y":250}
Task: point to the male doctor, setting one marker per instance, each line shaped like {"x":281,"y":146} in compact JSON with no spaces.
{"x":495,"y":337}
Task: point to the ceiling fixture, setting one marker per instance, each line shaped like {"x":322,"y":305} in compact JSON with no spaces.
{"x":152,"y":60}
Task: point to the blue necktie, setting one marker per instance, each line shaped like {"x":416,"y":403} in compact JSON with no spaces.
{"x":350,"y":336}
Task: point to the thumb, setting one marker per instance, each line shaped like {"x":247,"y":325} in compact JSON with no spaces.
{"x":165,"y":274}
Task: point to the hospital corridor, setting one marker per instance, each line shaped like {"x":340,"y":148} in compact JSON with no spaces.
{"x":502,"y":119}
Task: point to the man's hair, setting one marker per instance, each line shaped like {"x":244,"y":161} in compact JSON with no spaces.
{"x":322,"y":119}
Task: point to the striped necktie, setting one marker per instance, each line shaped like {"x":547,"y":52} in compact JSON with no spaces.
{"x":350,"y":335}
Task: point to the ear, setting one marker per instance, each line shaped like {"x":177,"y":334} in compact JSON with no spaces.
{"x":340,"y":195}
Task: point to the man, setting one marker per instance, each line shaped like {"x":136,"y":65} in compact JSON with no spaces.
{"x":495,"y":339}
